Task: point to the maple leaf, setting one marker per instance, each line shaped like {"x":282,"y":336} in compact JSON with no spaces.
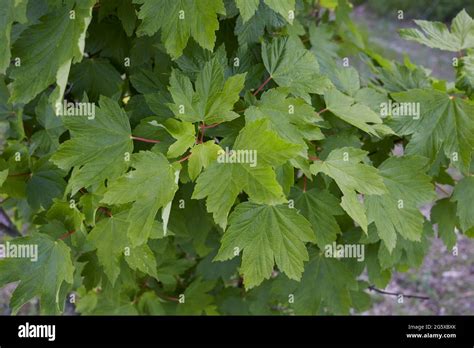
{"x":437,"y":35}
{"x":462,"y":195}
{"x":293,"y":119}
{"x":179,"y":20}
{"x":397,"y":211}
{"x":327,"y":283}
{"x":46,"y":51}
{"x":320,"y":208}
{"x":36,"y":277}
{"x":153,"y":183}
{"x":444,"y":124}
{"x":212,"y":100}
{"x":343,"y":166}
{"x":97,"y":146}
{"x":355,"y":113}
{"x":267,"y":235}
{"x":292,"y":66}
{"x":10,"y":12}
{"x":221,"y":183}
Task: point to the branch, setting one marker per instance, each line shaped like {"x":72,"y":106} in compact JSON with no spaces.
{"x":373,"y":288}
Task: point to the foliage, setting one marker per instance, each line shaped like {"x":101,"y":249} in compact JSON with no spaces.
{"x":199,"y":157}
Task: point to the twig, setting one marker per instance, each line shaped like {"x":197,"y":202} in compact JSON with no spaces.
{"x":373,"y":288}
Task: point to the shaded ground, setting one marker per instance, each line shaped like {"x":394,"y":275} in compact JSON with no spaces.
{"x":447,"y":279}
{"x":383,"y":33}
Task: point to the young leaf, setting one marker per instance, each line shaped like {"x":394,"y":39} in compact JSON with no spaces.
{"x":212,"y":100}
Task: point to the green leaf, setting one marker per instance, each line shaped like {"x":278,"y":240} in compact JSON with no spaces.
{"x":150,"y":187}
{"x":252,"y":30}
{"x":444,"y":214}
{"x":46,"y":183}
{"x":445,"y":125}
{"x":196,"y":298}
{"x":326,"y":283}
{"x":142,"y":258}
{"x":222,"y":182}
{"x":465,"y":74}
{"x":46,"y":51}
{"x":293,"y":119}
{"x":3,"y":176}
{"x":463,"y":194}
{"x":355,"y":113}
{"x":179,"y":20}
{"x":437,"y":35}
{"x":212,"y":100}
{"x":95,"y":77}
{"x":397,"y":211}
{"x":282,"y":7}
{"x":46,"y":140}
{"x":320,"y":208}
{"x":10,"y":12}
{"x":97,"y":147}
{"x":202,"y":155}
{"x":247,"y":8}
{"x":267,"y":235}
{"x":109,"y":237}
{"x":292,"y":66}
{"x":36,"y":277}
{"x":183,"y":132}
{"x":343,"y":166}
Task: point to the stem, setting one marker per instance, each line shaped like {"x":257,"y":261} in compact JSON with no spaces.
{"x":184,"y":158}
{"x":203,"y":126}
{"x":323,"y":110}
{"x":262,"y":85}
{"x":304,"y":183}
{"x":65,"y":235}
{"x":144,"y":140}
{"x":203,"y":129}
{"x":313,"y":158}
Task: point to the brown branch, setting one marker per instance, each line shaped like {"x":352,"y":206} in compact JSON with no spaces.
{"x":373,"y":288}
